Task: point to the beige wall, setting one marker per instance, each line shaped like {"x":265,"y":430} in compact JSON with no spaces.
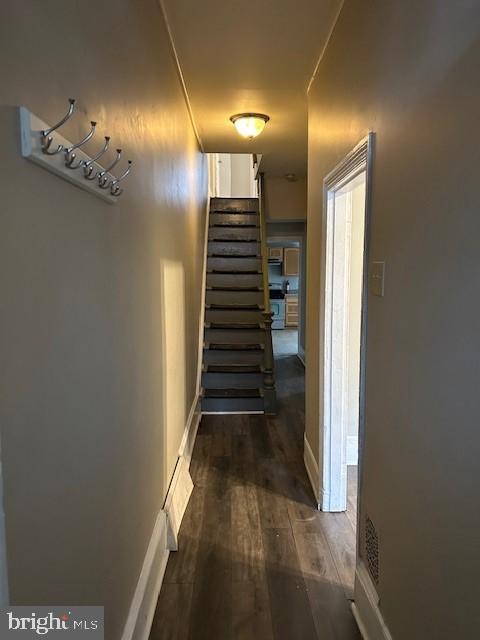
{"x":409,"y":71}
{"x":285,"y":200}
{"x":100,"y":304}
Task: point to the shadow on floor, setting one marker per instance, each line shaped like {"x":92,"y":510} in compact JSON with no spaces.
{"x":256,"y":559}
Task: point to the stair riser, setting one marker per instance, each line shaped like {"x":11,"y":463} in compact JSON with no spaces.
{"x":232,"y":405}
{"x":234,"y":249}
{"x":238,"y":281}
{"x":234,"y":299}
{"x":239,"y":205}
{"x":234,"y":219}
{"x":234,"y":264}
{"x":233,"y":358}
{"x":247,"y":234}
{"x":232,"y":380}
{"x":236,"y":316}
{"x":235,"y":336}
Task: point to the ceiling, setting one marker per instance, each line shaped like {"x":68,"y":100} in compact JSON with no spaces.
{"x":251,"y":56}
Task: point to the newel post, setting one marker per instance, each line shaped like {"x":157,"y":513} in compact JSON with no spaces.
{"x":270,"y":396}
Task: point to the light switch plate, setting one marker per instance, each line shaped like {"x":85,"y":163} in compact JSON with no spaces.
{"x":377,"y":279}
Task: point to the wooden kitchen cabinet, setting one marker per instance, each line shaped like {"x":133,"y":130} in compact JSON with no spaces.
{"x":275,"y":253}
{"x":291,"y":261}
{"x":291,"y":310}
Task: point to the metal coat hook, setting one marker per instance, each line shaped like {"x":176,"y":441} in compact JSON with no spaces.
{"x":103,"y":175}
{"x":89,"y":165}
{"x":70,"y":156}
{"x":114,"y":188}
{"x":47,"y":139}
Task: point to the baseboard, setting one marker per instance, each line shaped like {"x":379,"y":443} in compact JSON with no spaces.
{"x":312,"y":469}
{"x":191,"y":428}
{"x":352,"y":450}
{"x":365,"y":607}
{"x":176,"y":503}
{"x":164,"y":537}
{"x":140,"y":617}
{"x":181,"y":485}
{"x":301,"y":355}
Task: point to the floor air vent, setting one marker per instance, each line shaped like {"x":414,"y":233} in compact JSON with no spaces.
{"x":371,"y":548}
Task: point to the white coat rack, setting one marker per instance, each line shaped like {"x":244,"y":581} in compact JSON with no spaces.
{"x":43,"y":145}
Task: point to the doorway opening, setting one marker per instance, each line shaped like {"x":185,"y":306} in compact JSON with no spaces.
{"x":235,"y":175}
{"x":286,"y":291}
{"x":346,"y":192}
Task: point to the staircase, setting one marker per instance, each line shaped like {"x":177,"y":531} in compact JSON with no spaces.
{"x":237,"y":372}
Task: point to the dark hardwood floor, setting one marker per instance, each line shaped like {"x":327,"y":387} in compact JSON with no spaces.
{"x":256,"y":560}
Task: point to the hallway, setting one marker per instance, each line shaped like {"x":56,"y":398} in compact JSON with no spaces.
{"x":256,"y":559}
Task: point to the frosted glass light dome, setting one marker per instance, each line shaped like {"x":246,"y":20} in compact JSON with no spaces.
{"x":249,"y":125}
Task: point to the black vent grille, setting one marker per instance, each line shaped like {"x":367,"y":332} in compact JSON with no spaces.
{"x":371,"y":549}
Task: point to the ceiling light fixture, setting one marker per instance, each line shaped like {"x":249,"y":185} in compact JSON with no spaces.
{"x":249,"y":125}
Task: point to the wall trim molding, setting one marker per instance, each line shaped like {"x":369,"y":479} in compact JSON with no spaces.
{"x":191,"y":428}
{"x":183,"y":84}
{"x":142,"y":608}
{"x":324,"y":48}
{"x":365,"y":607}
{"x":181,"y":485}
{"x":312,"y":469}
{"x":352,"y":450}
{"x":179,"y":493}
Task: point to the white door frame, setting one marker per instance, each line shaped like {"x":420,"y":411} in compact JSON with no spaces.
{"x":333,"y":434}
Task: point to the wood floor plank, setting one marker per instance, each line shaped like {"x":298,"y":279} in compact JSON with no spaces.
{"x":211,"y":608}
{"x":341,"y":540}
{"x":272,"y":500}
{"x":331,"y":610}
{"x":262,"y":445}
{"x":181,"y":565}
{"x":248,"y":562}
{"x":222,"y":437}
{"x":283,"y":438}
{"x":289,"y":604}
{"x":167,"y":623}
{"x":251,"y":616}
{"x":199,"y":466}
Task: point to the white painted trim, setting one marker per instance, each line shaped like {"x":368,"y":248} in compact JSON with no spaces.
{"x":203,"y":291}
{"x":183,"y":84}
{"x":365,"y":607}
{"x":181,"y":485}
{"x":176,"y":503}
{"x":352,"y":450}
{"x":324,"y":48}
{"x":311,"y":466}
{"x":191,"y":428}
{"x":332,"y":431}
{"x":140,"y":616}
